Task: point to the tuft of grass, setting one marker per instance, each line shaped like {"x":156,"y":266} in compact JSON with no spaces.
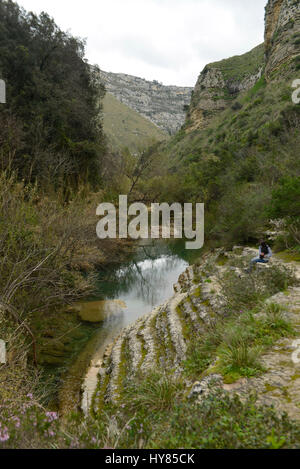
{"x":240,"y":359}
{"x":237,"y":343}
{"x":276,"y":322}
{"x":155,"y":392}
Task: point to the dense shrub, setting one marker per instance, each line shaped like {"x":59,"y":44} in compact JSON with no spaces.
{"x":218,"y":422}
{"x":248,"y":290}
{"x":222,"y":422}
{"x":54,"y":96}
{"x":285,"y":200}
{"x":40,"y":238}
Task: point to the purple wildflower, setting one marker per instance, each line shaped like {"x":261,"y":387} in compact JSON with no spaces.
{"x":51,"y":416}
{"x":4,"y":435}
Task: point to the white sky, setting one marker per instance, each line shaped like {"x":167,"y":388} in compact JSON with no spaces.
{"x":165,"y":40}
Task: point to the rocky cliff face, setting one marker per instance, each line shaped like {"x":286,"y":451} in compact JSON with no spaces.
{"x":220,"y":83}
{"x":162,"y":105}
{"x":282,"y":34}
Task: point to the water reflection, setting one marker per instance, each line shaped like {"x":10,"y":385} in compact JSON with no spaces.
{"x":99,"y":311}
{"x":147,"y":280}
{"x":144,"y":282}
{"x":141,"y":284}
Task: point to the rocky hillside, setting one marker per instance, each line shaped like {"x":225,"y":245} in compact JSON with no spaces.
{"x":220,"y":83}
{"x":281,"y":34}
{"x":241,"y":138}
{"x":162,"y":105}
{"x":126,"y":128}
{"x":223,"y":325}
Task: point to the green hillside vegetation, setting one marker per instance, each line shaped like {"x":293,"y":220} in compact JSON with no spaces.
{"x":241,"y":66}
{"x":126,"y":128}
{"x":239,"y":159}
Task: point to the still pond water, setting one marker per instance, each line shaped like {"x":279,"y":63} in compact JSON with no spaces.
{"x":123,"y":294}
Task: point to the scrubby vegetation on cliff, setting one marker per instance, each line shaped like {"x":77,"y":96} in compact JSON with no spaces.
{"x":240,"y":144}
{"x":232,"y":332}
{"x":236,"y":164}
{"x":126,"y":128}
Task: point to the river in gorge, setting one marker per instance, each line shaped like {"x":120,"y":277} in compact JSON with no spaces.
{"x":123,"y":294}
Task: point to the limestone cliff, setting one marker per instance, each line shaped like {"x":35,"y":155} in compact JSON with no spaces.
{"x":126,"y":128}
{"x":220,"y":83}
{"x":282,"y":34}
{"x":162,"y":105}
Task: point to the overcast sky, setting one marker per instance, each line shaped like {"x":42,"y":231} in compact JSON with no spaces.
{"x":166,"y":40}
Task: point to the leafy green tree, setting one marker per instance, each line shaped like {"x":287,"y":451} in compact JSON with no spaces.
{"x":54,"y":92}
{"x":286,"y":199}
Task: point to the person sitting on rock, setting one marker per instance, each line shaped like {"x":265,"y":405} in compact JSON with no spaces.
{"x":264,"y":255}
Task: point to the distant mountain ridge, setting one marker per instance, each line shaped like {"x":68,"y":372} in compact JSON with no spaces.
{"x":163,"y":105}
{"x":126,"y":128}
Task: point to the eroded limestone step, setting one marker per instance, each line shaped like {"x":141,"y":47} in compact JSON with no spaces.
{"x":176,"y":326}
{"x":150,"y":339}
{"x":114,"y":370}
{"x":165,"y":345}
{"x":160,"y":339}
{"x":136,"y":346}
{"x":190,"y":313}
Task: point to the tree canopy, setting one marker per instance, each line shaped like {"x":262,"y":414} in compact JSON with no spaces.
{"x":53,"y":100}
